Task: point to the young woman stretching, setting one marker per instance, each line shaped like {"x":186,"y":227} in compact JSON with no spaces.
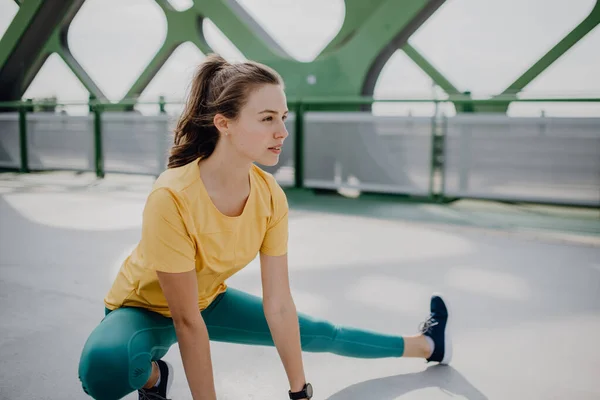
{"x":207,"y":216}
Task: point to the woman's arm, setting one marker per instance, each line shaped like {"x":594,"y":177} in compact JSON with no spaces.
{"x":181,"y":292}
{"x":281,"y":315}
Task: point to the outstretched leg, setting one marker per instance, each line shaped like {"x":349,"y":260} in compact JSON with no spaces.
{"x":238,"y":317}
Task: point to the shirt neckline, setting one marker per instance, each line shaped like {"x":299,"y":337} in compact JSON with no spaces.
{"x":214,"y":207}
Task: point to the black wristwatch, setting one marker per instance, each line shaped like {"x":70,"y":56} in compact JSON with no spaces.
{"x":305,"y":393}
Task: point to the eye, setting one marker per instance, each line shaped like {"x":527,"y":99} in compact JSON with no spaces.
{"x":268,"y":118}
{"x":285,"y":117}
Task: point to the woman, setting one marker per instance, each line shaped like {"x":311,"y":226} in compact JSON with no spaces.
{"x":207,"y":216}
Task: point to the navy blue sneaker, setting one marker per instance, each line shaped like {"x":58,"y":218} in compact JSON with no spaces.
{"x":159,"y":392}
{"x":436,"y":327}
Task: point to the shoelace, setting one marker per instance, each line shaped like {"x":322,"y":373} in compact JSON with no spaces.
{"x":426,"y":325}
{"x":144,"y":395}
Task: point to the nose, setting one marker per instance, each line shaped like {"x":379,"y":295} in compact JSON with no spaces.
{"x":282,"y":132}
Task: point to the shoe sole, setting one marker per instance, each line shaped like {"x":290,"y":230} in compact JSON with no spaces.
{"x":447,"y":335}
{"x":170,"y":379}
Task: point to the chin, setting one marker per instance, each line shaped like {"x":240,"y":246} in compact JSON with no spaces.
{"x":268,"y":162}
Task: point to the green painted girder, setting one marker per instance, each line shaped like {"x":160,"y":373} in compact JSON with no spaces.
{"x":356,"y":12}
{"x":38,"y":30}
{"x":435,"y":75}
{"x":348,"y":66}
{"x":186,"y":26}
{"x":369,"y":29}
{"x":356,"y":55}
{"x":562,"y":47}
{"x":578,"y":33}
{"x":58,"y":44}
{"x":11,"y":55}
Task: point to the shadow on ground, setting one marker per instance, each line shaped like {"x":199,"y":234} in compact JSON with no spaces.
{"x":443,"y":377}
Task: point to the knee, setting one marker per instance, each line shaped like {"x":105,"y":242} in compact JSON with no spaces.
{"x":103,"y":371}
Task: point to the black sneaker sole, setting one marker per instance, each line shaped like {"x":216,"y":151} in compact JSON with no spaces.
{"x":170,"y":378}
{"x":448,"y":350}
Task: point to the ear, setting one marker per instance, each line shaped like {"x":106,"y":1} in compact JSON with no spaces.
{"x":221,"y":123}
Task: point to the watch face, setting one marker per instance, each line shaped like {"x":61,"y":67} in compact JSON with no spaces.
{"x":309,"y":390}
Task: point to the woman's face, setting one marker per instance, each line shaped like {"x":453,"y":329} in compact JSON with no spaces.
{"x":259,"y":131}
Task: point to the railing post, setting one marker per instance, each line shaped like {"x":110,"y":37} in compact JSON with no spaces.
{"x":299,"y":147}
{"x":161,"y":105}
{"x":162,"y":150}
{"x":91,"y":100}
{"x":443,"y":138}
{"x":432,"y":166}
{"x":438,"y":137}
{"x":23,"y":136}
{"x":98,"y":141}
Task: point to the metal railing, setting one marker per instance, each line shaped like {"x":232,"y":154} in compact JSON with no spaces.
{"x":448,"y":176}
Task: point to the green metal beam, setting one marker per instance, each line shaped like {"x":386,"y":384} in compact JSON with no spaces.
{"x":390,"y":34}
{"x":368,"y":30}
{"x":151,"y":70}
{"x":58,"y":44}
{"x":348,"y":66}
{"x":378,"y":29}
{"x":81,"y":74}
{"x":240,"y":28}
{"x":589,"y":23}
{"x":17,"y":28}
{"x":356,"y":12}
{"x":182,"y":26}
{"x":41,"y":29}
{"x":429,"y":69}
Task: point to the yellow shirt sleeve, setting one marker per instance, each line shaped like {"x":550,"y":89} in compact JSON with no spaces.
{"x":275,"y":242}
{"x":166,"y":244}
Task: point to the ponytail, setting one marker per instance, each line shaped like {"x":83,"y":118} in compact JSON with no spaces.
{"x":195,"y":134}
{"x":218,"y":87}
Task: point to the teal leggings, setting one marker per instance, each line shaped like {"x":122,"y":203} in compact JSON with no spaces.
{"x":116,"y":359}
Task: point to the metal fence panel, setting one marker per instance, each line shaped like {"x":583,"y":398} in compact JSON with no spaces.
{"x":529,"y":159}
{"x":135,"y":143}
{"x":60,"y":141}
{"x":10,"y":155}
{"x":361,"y":151}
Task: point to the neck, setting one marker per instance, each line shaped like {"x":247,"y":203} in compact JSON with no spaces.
{"x":224,"y":169}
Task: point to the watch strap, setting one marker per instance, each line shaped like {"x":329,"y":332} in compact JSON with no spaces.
{"x":300,"y":394}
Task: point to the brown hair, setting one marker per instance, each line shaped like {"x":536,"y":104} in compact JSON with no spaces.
{"x":218,"y":87}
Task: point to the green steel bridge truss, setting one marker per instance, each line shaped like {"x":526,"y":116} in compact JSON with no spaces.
{"x":347,"y":67}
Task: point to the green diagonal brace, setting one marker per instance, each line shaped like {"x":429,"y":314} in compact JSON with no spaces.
{"x":17,"y":28}
{"x":186,"y":25}
{"x":59,"y":45}
{"x":10,"y":41}
{"x":54,"y":42}
{"x":356,"y":12}
{"x":370,"y":29}
{"x":429,"y":69}
{"x":182,"y":26}
{"x":240,"y":28}
{"x":589,"y":23}
{"x":384,"y":25}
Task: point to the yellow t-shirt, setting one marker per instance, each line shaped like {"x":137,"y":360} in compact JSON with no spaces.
{"x":182,"y":230}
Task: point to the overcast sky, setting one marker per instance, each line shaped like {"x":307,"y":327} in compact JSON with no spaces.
{"x":479,"y":45}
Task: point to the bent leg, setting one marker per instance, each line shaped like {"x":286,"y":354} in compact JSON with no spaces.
{"x":238,"y":317}
{"x":117,"y":357}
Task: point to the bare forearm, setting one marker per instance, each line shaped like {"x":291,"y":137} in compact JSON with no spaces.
{"x":195,"y":354}
{"x":283,"y":323}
